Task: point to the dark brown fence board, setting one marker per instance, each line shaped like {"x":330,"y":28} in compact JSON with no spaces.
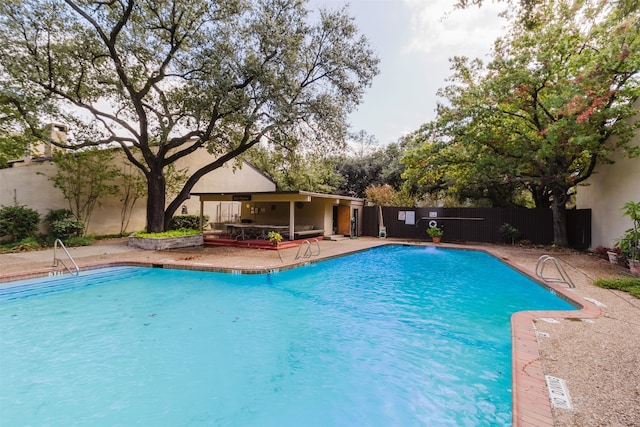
{"x":579,"y":228}
{"x":479,"y":224}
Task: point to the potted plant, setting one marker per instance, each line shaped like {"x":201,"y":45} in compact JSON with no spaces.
{"x":435,"y":233}
{"x":629,"y":244}
{"x":274,"y":237}
{"x":613,"y":255}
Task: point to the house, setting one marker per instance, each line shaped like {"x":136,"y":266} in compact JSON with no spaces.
{"x":605,"y":192}
{"x":27,"y":183}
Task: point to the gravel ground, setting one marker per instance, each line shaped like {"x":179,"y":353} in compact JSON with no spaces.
{"x":599,"y":360}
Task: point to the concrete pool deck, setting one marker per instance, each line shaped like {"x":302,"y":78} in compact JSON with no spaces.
{"x":596,"y":351}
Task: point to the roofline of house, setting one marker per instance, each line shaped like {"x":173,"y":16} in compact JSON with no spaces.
{"x":279,"y":193}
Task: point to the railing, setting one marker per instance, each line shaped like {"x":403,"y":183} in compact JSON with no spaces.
{"x":564,"y":277}
{"x":308,"y":253}
{"x":57,"y":260}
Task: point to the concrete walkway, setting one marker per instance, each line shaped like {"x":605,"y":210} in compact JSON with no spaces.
{"x":105,"y":252}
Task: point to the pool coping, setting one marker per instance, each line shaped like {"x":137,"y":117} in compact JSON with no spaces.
{"x":531,"y":405}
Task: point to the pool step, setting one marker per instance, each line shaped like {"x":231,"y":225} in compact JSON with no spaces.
{"x":336,"y":237}
{"x":62,"y":282}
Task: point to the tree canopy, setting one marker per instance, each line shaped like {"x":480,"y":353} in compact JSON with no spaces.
{"x":172,"y":78}
{"x":308,"y":169}
{"x":557,"y":99}
{"x":376,"y":167}
{"x":348,"y":170}
{"x":13,"y":143}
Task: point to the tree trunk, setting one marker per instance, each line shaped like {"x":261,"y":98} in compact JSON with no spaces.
{"x":559,"y":210}
{"x":155,"y":201}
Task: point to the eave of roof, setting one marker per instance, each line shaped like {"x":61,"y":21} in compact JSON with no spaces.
{"x":266,"y":196}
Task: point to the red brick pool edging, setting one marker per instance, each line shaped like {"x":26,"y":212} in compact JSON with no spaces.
{"x":531,"y":406}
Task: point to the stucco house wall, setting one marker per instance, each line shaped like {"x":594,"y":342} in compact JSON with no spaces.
{"x":245,"y":177}
{"x":605,"y":192}
{"x":27,"y":183}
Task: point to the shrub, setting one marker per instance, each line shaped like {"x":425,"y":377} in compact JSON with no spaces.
{"x":63,"y":224}
{"x":509,"y":233}
{"x":171,"y":233}
{"x":18,"y":222}
{"x":67,"y":228}
{"x":186,"y":222}
{"x":57,"y":214}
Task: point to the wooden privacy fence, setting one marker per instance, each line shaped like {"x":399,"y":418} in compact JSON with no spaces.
{"x":477,"y":224}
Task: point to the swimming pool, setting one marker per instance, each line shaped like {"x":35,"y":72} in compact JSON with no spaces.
{"x":392,"y":336}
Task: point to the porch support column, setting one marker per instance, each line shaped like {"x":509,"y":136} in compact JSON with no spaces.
{"x":292,"y":214}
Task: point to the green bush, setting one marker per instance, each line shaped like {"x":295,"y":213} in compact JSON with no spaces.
{"x":66,"y":228}
{"x":509,"y":233}
{"x":58,"y":214}
{"x":63,"y":224}
{"x":18,"y":222}
{"x":186,"y":222}
{"x":171,"y":233}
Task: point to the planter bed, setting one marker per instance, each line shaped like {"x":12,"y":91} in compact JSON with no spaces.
{"x":158,"y":244}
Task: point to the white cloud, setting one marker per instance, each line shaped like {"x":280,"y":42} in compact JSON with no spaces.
{"x":439,"y":29}
{"x":414,"y":40}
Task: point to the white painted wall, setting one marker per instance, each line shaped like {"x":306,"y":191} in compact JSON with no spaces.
{"x":605,"y":192}
{"x":30,"y":184}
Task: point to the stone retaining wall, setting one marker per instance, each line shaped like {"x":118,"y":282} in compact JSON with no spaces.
{"x":156,"y":244}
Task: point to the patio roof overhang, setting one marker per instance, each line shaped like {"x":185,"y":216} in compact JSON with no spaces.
{"x":275,"y":196}
{"x":292,"y":198}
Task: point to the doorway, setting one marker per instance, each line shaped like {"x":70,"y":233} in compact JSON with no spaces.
{"x":343,"y":220}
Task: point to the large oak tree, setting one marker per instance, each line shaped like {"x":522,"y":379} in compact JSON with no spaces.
{"x":173,"y":78}
{"x":557,"y":99}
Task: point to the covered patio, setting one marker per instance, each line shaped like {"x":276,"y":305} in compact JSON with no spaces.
{"x":295,"y":215}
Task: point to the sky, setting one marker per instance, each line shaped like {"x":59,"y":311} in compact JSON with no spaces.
{"x":414,"y":40}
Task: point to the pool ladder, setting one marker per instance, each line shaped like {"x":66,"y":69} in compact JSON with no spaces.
{"x":308,"y":252}
{"x":564,"y":277}
{"x":57,"y":261}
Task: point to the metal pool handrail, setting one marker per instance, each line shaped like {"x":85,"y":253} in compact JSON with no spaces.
{"x":57,"y":260}
{"x":564,"y":277}
{"x":308,"y":253}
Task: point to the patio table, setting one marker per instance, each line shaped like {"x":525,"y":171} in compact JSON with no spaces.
{"x":256,"y":231}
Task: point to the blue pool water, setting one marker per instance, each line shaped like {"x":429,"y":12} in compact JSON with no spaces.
{"x":395,"y":336}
